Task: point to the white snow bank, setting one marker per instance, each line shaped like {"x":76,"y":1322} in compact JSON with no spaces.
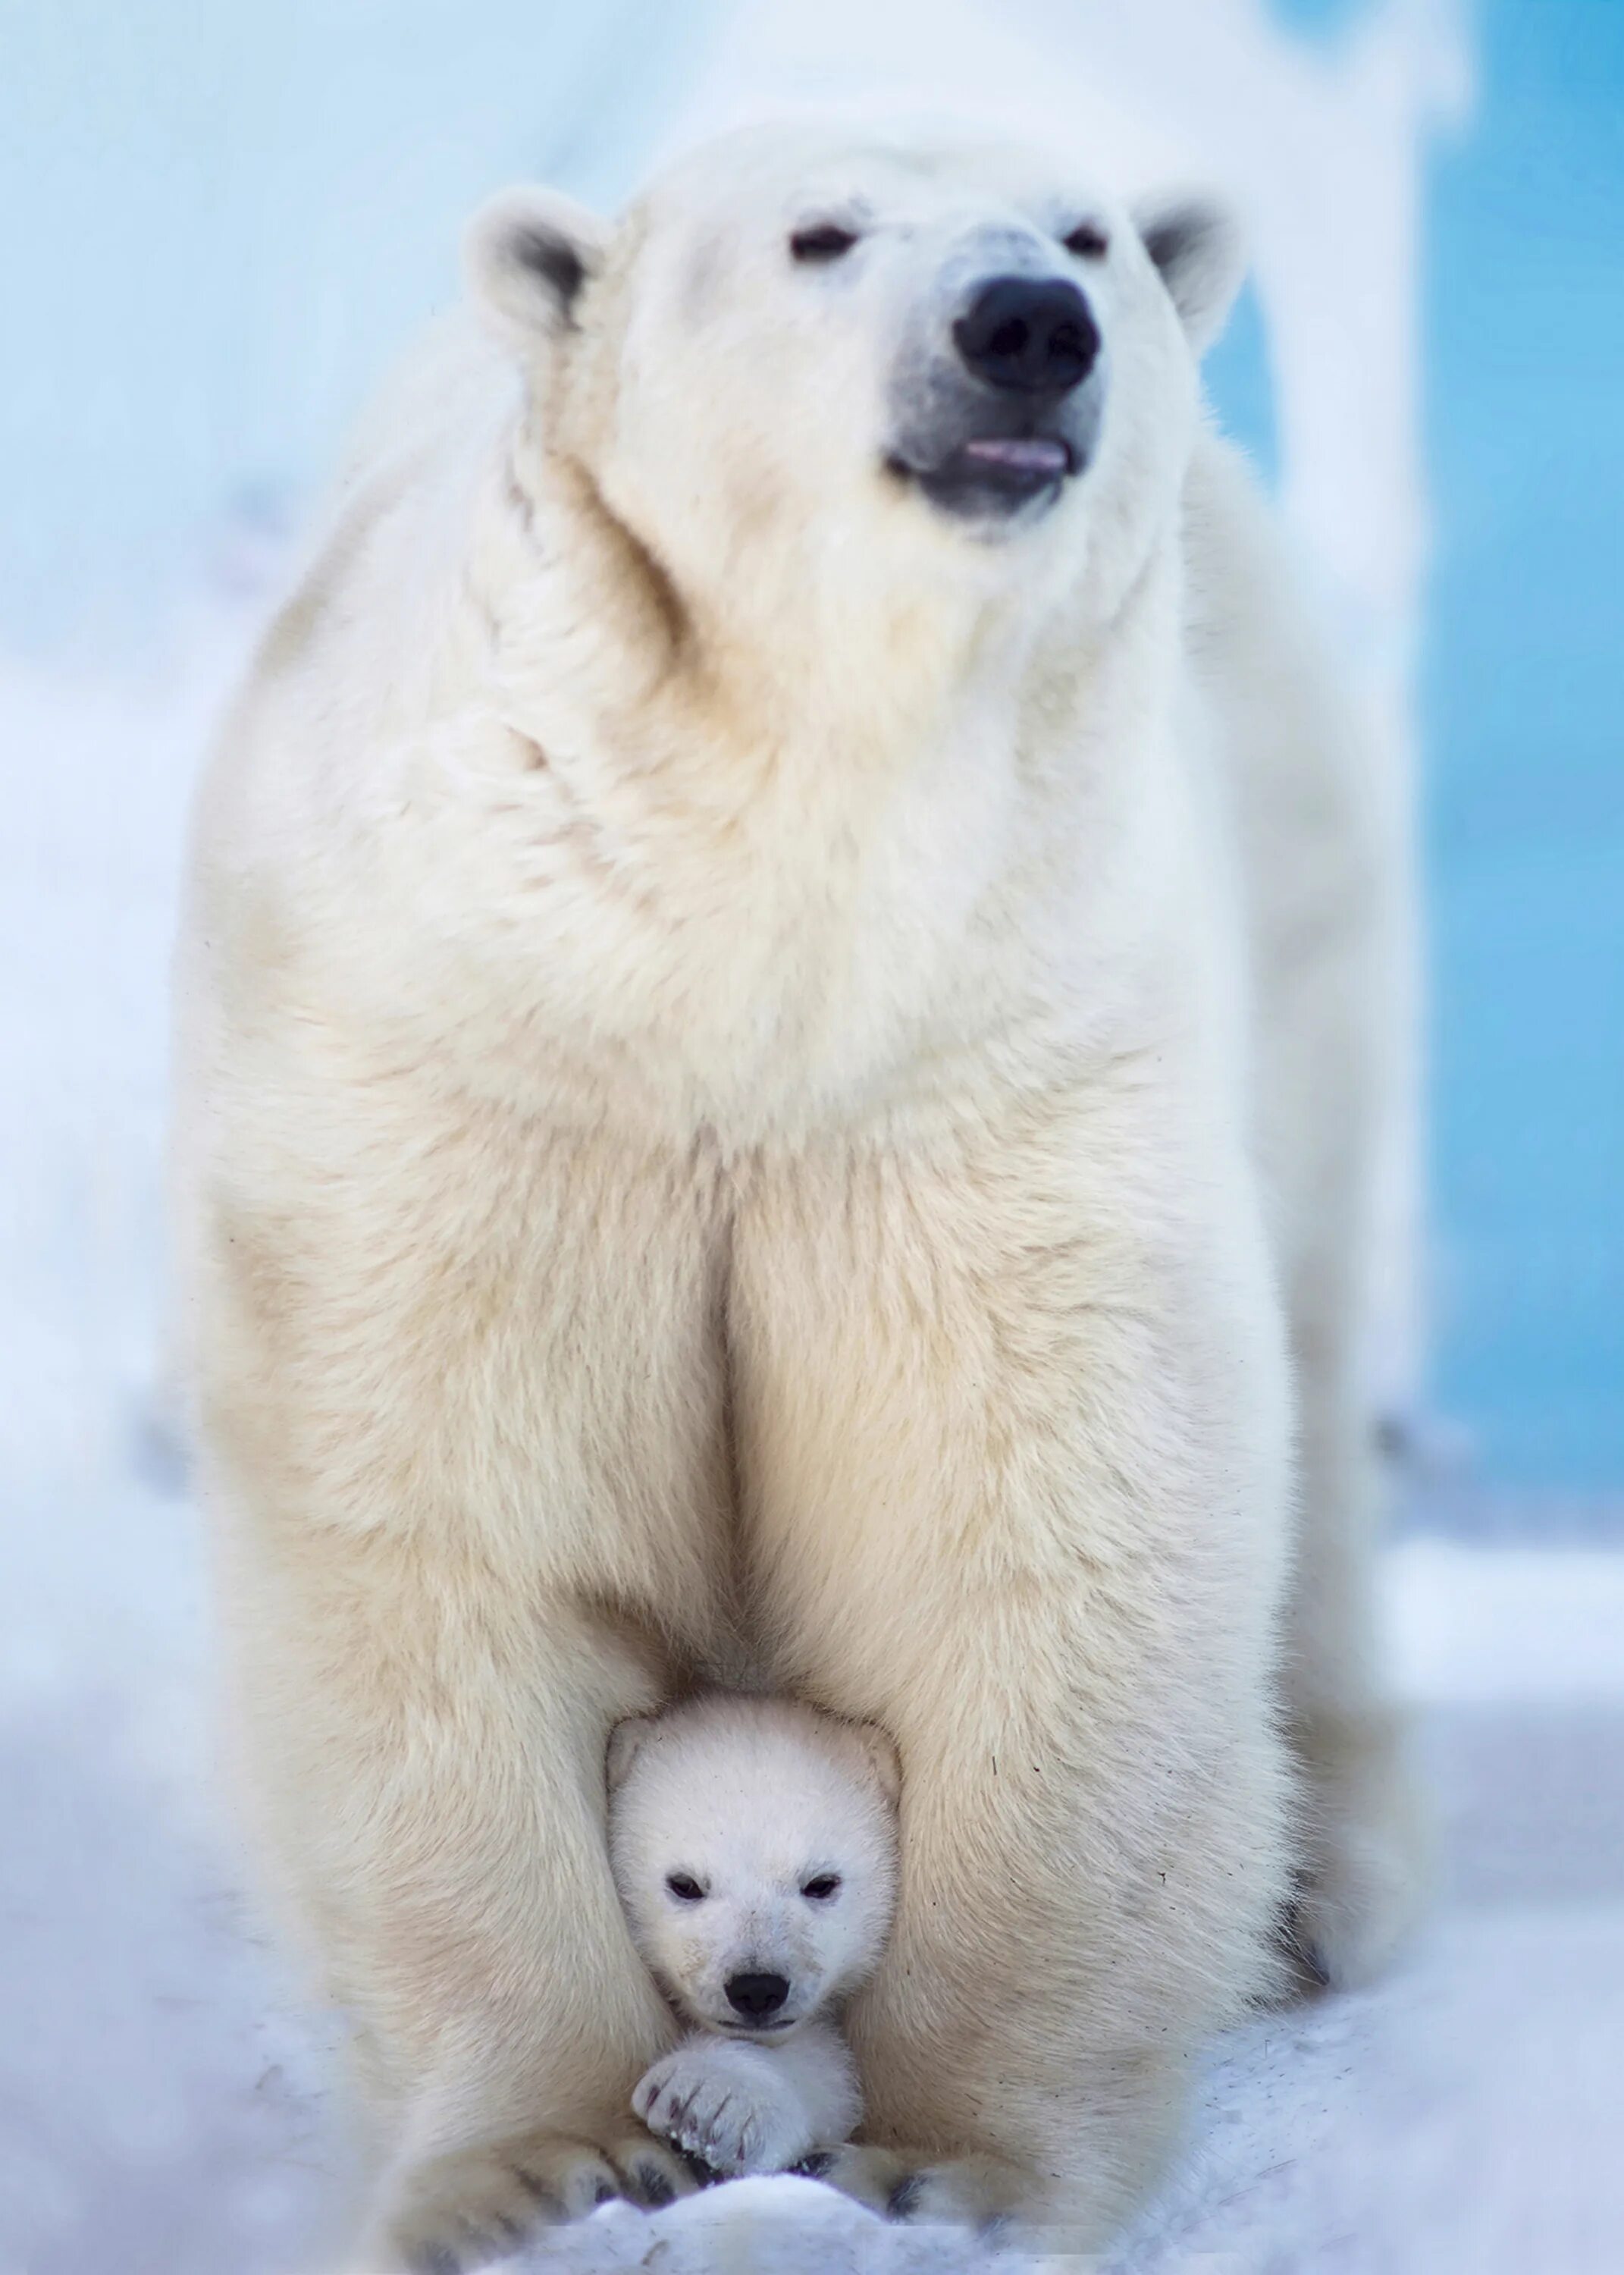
{"x":1471,"y":1625}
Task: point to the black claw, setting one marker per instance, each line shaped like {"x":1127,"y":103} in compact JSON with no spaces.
{"x":606,"y":2192}
{"x":654,"y":2188}
{"x":903,"y":2200}
{"x":817,"y":2166}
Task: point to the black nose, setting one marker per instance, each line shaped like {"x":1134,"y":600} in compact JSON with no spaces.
{"x":757,"y":1995}
{"x":1029,"y":336}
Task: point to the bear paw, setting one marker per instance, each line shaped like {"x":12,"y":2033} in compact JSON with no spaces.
{"x":980,"y":2192}
{"x":1366,"y":1854}
{"x":475,"y":2206}
{"x":727,"y":2105}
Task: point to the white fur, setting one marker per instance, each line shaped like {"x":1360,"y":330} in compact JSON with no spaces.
{"x":752,"y":1800}
{"x":757,"y":1064}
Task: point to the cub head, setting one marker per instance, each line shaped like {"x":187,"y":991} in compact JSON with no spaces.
{"x":805,"y":355}
{"x":753,"y":1843}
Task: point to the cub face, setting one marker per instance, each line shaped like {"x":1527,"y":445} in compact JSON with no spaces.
{"x":851,"y":359}
{"x":753,"y":1842}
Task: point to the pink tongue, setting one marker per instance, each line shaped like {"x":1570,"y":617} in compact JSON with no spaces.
{"x":1030,"y":455}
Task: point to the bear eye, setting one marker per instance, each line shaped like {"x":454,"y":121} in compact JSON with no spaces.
{"x":1088,"y":241}
{"x":822,"y":1887}
{"x":824,"y":241}
{"x":683,"y":1885}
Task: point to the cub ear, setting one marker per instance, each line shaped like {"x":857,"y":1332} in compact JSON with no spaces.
{"x":1197,"y":245}
{"x":526,"y":254}
{"x":879,"y":1751}
{"x":627,"y":1741}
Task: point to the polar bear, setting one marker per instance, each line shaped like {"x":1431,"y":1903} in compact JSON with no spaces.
{"x":753,"y":1842}
{"x":781,"y":1024}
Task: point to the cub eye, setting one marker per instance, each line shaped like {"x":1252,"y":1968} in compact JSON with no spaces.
{"x":820,"y":1889}
{"x":683,"y":1884}
{"x":826,"y":241}
{"x":1088,"y":241}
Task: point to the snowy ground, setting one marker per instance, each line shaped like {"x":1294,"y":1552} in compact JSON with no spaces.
{"x":162,"y":2106}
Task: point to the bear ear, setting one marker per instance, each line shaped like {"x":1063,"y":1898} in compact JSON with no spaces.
{"x":879,"y":1751}
{"x":527,"y":254}
{"x":627,"y":1741}
{"x":1196,"y":247}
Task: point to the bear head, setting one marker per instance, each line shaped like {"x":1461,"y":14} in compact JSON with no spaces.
{"x":808,"y":357}
{"x":753,"y":1843}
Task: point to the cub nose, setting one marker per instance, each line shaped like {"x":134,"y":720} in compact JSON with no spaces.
{"x":757,"y":1996}
{"x":1029,"y":336}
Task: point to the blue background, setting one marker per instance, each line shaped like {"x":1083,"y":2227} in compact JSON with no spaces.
{"x":1522,"y":715}
{"x":1524,"y":723}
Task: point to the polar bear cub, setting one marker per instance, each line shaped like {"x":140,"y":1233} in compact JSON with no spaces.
{"x":753,"y":1842}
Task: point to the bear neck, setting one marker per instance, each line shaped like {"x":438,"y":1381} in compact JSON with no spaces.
{"x":810,"y":673}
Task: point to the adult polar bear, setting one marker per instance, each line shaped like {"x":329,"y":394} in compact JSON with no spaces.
{"x":785,"y":917}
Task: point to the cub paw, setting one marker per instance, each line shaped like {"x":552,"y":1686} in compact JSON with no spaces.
{"x":724,"y":2106}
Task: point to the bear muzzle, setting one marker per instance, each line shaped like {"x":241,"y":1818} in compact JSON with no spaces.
{"x":1009,"y":409}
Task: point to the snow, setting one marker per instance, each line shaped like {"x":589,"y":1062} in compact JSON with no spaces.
{"x":165,"y":2103}
{"x":1480,"y":1626}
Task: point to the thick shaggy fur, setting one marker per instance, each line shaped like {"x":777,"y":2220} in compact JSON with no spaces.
{"x":768,"y":1079}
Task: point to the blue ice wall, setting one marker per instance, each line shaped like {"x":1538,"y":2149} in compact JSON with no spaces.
{"x":1241,"y":388}
{"x":1523,"y":721}
{"x":1521,"y":705}
{"x":1318,"y":19}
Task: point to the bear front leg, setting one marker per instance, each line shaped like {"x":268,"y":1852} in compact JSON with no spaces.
{"x":1364,"y":1842}
{"x":447,"y":1757}
{"x":464,"y":1450}
{"x":1363,"y":1837}
{"x":1013,"y":1454}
